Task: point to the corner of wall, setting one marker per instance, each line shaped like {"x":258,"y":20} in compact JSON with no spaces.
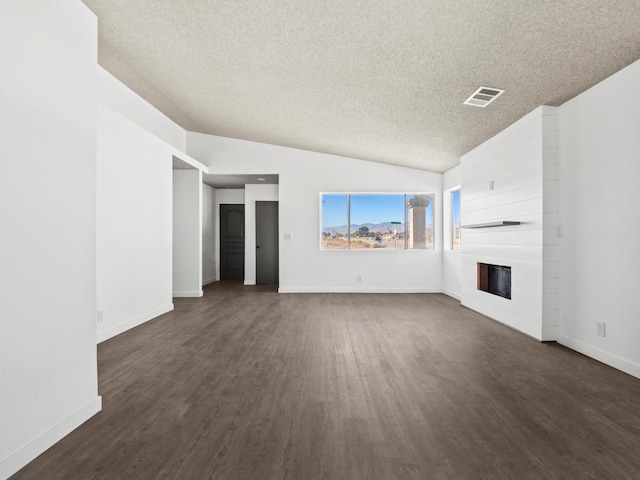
{"x":120,"y":98}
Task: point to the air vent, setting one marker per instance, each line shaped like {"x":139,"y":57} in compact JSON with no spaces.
{"x":483,"y":96}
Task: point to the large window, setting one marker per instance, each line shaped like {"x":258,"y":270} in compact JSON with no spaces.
{"x":374,"y":221}
{"x":455,"y":220}
{"x":335,"y":222}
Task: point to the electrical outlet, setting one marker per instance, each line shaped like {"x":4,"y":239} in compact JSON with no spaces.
{"x":358,"y":278}
{"x":100,"y":316}
{"x":601,"y":329}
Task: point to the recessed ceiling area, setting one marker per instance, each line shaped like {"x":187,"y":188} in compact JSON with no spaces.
{"x":376,"y":80}
{"x":238,"y":181}
{"x":181,"y":164}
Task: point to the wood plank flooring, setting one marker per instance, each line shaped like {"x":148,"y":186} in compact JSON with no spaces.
{"x":245,"y":383}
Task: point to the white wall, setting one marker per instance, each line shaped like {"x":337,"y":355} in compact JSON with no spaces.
{"x":253,"y":194}
{"x":208,"y":234}
{"x":225,"y":196}
{"x":134,"y":224}
{"x":303,"y":175}
{"x":48,"y":372}
{"x":129,"y":104}
{"x":187,"y":233}
{"x":451,"y":279}
{"x":520,"y":161}
{"x":136,"y":146}
{"x":600,"y":169}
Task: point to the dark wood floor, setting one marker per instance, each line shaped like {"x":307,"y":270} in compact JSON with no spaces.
{"x":248,"y":384}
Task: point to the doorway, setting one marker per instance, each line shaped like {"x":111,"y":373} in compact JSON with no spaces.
{"x":231,"y":242}
{"x":267,"y":270}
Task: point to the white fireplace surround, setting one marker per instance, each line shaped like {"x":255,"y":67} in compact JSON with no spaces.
{"x":510,"y":186}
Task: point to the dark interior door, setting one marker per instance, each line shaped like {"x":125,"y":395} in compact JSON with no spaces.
{"x":267,"y":272}
{"x":231,"y":242}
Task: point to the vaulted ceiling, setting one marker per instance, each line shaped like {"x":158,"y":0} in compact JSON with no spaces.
{"x":380,"y":80}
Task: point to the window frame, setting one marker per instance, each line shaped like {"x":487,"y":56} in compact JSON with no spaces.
{"x":405,"y":217}
{"x":449,"y":222}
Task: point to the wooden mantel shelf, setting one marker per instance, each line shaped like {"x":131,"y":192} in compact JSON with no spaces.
{"x":500,"y":223}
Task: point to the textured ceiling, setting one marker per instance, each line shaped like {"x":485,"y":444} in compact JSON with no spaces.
{"x":378,"y":80}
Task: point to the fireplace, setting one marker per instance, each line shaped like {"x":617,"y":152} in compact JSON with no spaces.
{"x":495,"y":279}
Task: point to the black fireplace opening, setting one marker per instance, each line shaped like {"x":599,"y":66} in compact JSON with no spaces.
{"x":495,"y":279}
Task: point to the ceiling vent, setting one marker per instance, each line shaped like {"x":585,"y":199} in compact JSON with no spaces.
{"x":483,"y":96}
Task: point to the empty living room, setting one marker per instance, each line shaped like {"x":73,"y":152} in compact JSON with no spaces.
{"x":319,"y":240}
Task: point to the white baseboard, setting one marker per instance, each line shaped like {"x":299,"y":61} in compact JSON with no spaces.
{"x":123,"y":327}
{"x":208,"y":281}
{"x":452,"y":294}
{"x":356,"y":290}
{"x":607,"y":358}
{"x":188,"y":294}
{"x":510,"y":320}
{"x":26,"y":454}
